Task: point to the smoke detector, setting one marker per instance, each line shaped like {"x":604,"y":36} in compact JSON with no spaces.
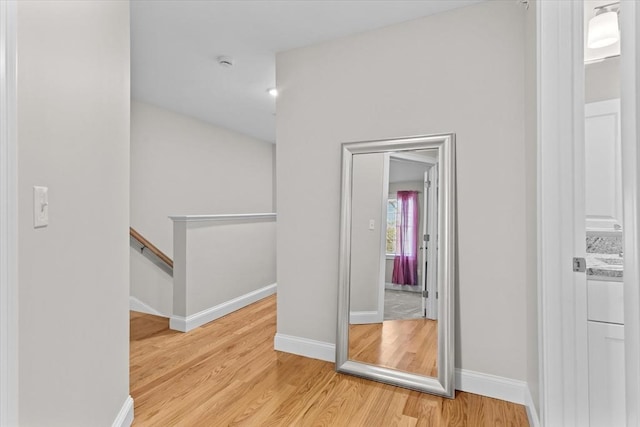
{"x":225,"y":61}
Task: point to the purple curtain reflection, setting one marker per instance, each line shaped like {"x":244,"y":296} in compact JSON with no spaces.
{"x":405,"y":264}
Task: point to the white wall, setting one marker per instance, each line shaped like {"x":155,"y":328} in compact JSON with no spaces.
{"x":367,"y":188}
{"x":602,"y":80}
{"x":218,"y":261}
{"x":73,"y":136}
{"x":183,"y":166}
{"x":150,"y":284}
{"x":460,"y":71}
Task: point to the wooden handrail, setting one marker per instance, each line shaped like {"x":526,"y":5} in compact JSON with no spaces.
{"x":148,"y":245}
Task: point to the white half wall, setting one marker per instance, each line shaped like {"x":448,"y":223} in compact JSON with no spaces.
{"x":183,"y":166}
{"x":185,"y":324}
{"x":461,"y":71}
{"x":220,"y":261}
{"x":73,"y":275}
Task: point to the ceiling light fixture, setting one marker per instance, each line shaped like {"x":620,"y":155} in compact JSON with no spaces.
{"x":604,"y":29}
{"x":273,"y":92}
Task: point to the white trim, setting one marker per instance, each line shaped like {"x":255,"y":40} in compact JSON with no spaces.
{"x":225,"y":217}
{"x":629,"y":93}
{"x":560,"y":70}
{"x":8,"y":218}
{"x":305,"y":347}
{"x":125,"y":416}
{"x":404,"y":288}
{"x":382,"y":265}
{"x":487,"y":385}
{"x":576,"y":316}
{"x":431,"y":281}
{"x":365,"y":317}
{"x":491,"y":386}
{"x":468,"y":381}
{"x":136,"y":305}
{"x":532,"y":414}
{"x":186,"y":324}
{"x":415,"y":157}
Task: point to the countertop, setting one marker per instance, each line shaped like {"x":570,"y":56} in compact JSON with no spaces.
{"x":604,"y":267}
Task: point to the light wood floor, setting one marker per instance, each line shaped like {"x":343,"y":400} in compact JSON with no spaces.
{"x":409,"y":345}
{"x":227,"y":373}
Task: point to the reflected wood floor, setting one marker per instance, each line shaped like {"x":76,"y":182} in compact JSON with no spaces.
{"x":227,"y":373}
{"x":409,"y":345}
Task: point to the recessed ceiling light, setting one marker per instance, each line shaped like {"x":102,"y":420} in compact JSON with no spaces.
{"x":273,"y":92}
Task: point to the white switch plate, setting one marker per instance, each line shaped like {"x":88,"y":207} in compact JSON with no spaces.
{"x":40,"y":206}
{"x":372,"y":224}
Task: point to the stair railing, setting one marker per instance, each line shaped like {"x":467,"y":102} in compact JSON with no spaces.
{"x":146,"y":244}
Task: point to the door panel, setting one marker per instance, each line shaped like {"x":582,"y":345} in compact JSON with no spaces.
{"x":603,"y":180}
{"x":606,"y":375}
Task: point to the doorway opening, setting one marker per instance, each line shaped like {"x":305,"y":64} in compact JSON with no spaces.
{"x":410,"y":289}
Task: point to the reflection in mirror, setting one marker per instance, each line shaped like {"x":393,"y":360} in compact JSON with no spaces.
{"x":392,"y":219}
{"x":393,"y":312}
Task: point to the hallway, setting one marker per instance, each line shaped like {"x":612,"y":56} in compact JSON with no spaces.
{"x":227,"y":373}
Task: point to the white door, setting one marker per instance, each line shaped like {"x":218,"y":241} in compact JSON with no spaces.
{"x":431,"y":266}
{"x":564,"y":398}
{"x":606,"y":375}
{"x":600,"y":180}
{"x":603,"y":165}
{"x":424,"y":246}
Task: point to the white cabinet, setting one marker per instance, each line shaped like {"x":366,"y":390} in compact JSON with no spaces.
{"x":605,"y":301}
{"x":606,"y":375}
{"x":603,"y":172}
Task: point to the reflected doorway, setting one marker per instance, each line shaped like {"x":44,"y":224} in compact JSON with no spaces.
{"x":409,"y":286}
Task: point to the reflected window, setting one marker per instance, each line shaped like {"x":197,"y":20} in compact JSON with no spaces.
{"x":392,"y":221}
{"x":396,"y":227}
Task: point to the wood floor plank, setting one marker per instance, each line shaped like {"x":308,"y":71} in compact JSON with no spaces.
{"x":409,"y":345}
{"x":428,"y":411}
{"x":227,"y":373}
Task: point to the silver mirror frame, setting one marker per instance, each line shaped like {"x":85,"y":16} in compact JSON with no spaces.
{"x":444,"y":383}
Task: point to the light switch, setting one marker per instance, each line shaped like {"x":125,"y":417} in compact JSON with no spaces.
{"x":40,"y":206}
{"x":372,"y":224}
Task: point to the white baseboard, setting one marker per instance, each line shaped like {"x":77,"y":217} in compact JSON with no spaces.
{"x":491,"y":386}
{"x":502,"y":388}
{"x":364,"y":317}
{"x":305,"y":347}
{"x":487,"y":385}
{"x":532,"y":413}
{"x":125,"y":416}
{"x":136,"y":305}
{"x":406,"y":288}
{"x":186,"y":324}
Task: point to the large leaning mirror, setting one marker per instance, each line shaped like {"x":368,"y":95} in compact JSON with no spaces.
{"x":397,"y":262}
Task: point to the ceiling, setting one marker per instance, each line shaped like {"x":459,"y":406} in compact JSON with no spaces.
{"x":405,"y":171}
{"x":174,"y":46}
